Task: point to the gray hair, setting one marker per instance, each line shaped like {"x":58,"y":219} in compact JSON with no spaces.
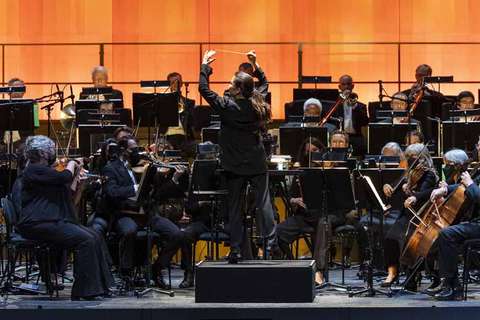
{"x":416,"y":150}
{"x":34,"y":144}
{"x":400,"y":95}
{"x":313,"y":101}
{"x":99,"y":69}
{"x":395,"y":147}
{"x":456,"y":156}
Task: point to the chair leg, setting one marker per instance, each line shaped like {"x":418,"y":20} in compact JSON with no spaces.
{"x":194,"y":257}
{"x":466,"y":271}
{"x":342,"y":237}
{"x":297,"y":244}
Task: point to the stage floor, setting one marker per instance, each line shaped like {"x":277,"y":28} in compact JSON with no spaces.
{"x":332,"y":304}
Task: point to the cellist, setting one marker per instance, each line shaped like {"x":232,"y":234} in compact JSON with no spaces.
{"x":451,"y":238}
{"x":421,"y":180}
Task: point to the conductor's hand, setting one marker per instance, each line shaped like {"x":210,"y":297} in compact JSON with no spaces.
{"x":179,"y":171}
{"x":466,"y":179}
{"x":388,"y":190}
{"x":298,"y":202}
{"x":252,"y":57}
{"x":437,"y":194}
{"x":208,"y":57}
{"x":410,"y":201}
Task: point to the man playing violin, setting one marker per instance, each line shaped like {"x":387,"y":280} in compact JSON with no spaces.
{"x":122,"y":184}
{"x":450,"y":239}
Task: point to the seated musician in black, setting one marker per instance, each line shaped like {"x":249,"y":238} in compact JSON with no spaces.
{"x":122,"y":185}
{"x":466,"y":101}
{"x":289,"y":229}
{"x":184,"y":132}
{"x":48,"y":214}
{"x":399,"y":103}
{"x":451,"y":238}
{"x":416,"y":195}
{"x":100,"y":79}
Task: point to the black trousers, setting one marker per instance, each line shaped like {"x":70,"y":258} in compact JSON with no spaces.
{"x":90,"y":269}
{"x":190,"y":234}
{"x":449,"y":242}
{"x":289,"y":229}
{"x":237,"y":185}
{"x":169,"y":233}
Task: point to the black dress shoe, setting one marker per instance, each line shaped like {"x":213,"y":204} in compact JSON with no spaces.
{"x":89,"y":298}
{"x":432,"y":291}
{"x":450,"y":293}
{"x":160,"y":283}
{"x":188,"y":280}
{"x":58,"y":286}
{"x":411,"y":285}
{"x":389,"y":283}
{"x":234,"y":258}
{"x":111,"y":292}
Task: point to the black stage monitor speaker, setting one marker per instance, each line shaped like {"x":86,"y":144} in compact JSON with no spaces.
{"x":267,"y":281}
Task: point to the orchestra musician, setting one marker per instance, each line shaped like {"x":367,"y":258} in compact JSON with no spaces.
{"x":399,"y":103}
{"x":339,"y":139}
{"x":450,"y":239}
{"x":354,"y":117}
{"x":416,"y":194}
{"x":393,"y":149}
{"x":122,"y":132}
{"x":466,"y":101}
{"x":244,"y":114}
{"x":414,"y":137}
{"x":48,"y":214}
{"x":106,"y":107}
{"x":122,"y":185}
{"x":251,"y":68}
{"x":100,"y":79}
{"x":422,"y":71}
{"x":184,"y":132}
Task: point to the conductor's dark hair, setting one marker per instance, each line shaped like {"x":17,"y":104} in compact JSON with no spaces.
{"x":415,"y":133}
{"x":465,"y":94}
{"x":123,"y":142}
{"x":244,"y":82}
{"x":302,"y":158}
{"x":245,"y":66}
{"x":175,"y":74}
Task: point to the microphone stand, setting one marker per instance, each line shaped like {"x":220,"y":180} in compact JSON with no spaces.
{"x":185,"y":119}
{"x":380,"y":92}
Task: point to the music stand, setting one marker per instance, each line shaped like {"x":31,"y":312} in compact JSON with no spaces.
{"x":143,"y":192}
{"x":334,"y":194}
{"x":292,"y":137}
{"x":15,"y":116}
{"x":204,"y":186}
{"x":320,"y":94}
{"x":466,"y":134}
{"x":375,"y":200}
{"x":379,"y":134}
{"x":82,"y":104}
{"x":161,"y":107}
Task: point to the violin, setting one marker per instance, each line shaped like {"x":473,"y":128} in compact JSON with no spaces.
{"x":415,"y":175}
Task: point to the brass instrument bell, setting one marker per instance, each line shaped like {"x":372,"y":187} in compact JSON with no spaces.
{"x":67,"y":116}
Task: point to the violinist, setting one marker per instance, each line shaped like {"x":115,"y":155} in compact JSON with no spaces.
{"x":421,"y":179}
{"x":399,"y":103}
{"x":121,"y":185}
{"x":354,"y":116}
{"x":451,"y":238}
{"x":392,"y":149}
{"x":244,"y":115}
{"x":48,"y":214}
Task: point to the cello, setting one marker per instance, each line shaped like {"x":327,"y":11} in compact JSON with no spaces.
{"x":439,"y":215}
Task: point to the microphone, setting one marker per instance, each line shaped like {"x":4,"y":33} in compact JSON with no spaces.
{"x":380,"y":91}
{"x":60,"y":93}
{"x":72,"y":96}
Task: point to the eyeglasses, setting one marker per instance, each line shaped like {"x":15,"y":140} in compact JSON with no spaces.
{"x":469,"y":103}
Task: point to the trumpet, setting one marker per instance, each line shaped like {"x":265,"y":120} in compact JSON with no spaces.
{"x":349,"y":97}
{"x":181,"y":105}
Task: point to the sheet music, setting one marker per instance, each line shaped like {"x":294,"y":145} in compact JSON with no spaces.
{"x":377,"y":196}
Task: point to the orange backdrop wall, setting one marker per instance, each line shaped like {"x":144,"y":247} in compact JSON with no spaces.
{"x":368,"y":39}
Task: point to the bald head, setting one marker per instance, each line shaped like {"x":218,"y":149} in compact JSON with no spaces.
{"x":345,"y":83}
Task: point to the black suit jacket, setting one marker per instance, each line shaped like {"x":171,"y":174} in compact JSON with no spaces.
{"x":359,"y":116}
{"x":242,"y":151}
